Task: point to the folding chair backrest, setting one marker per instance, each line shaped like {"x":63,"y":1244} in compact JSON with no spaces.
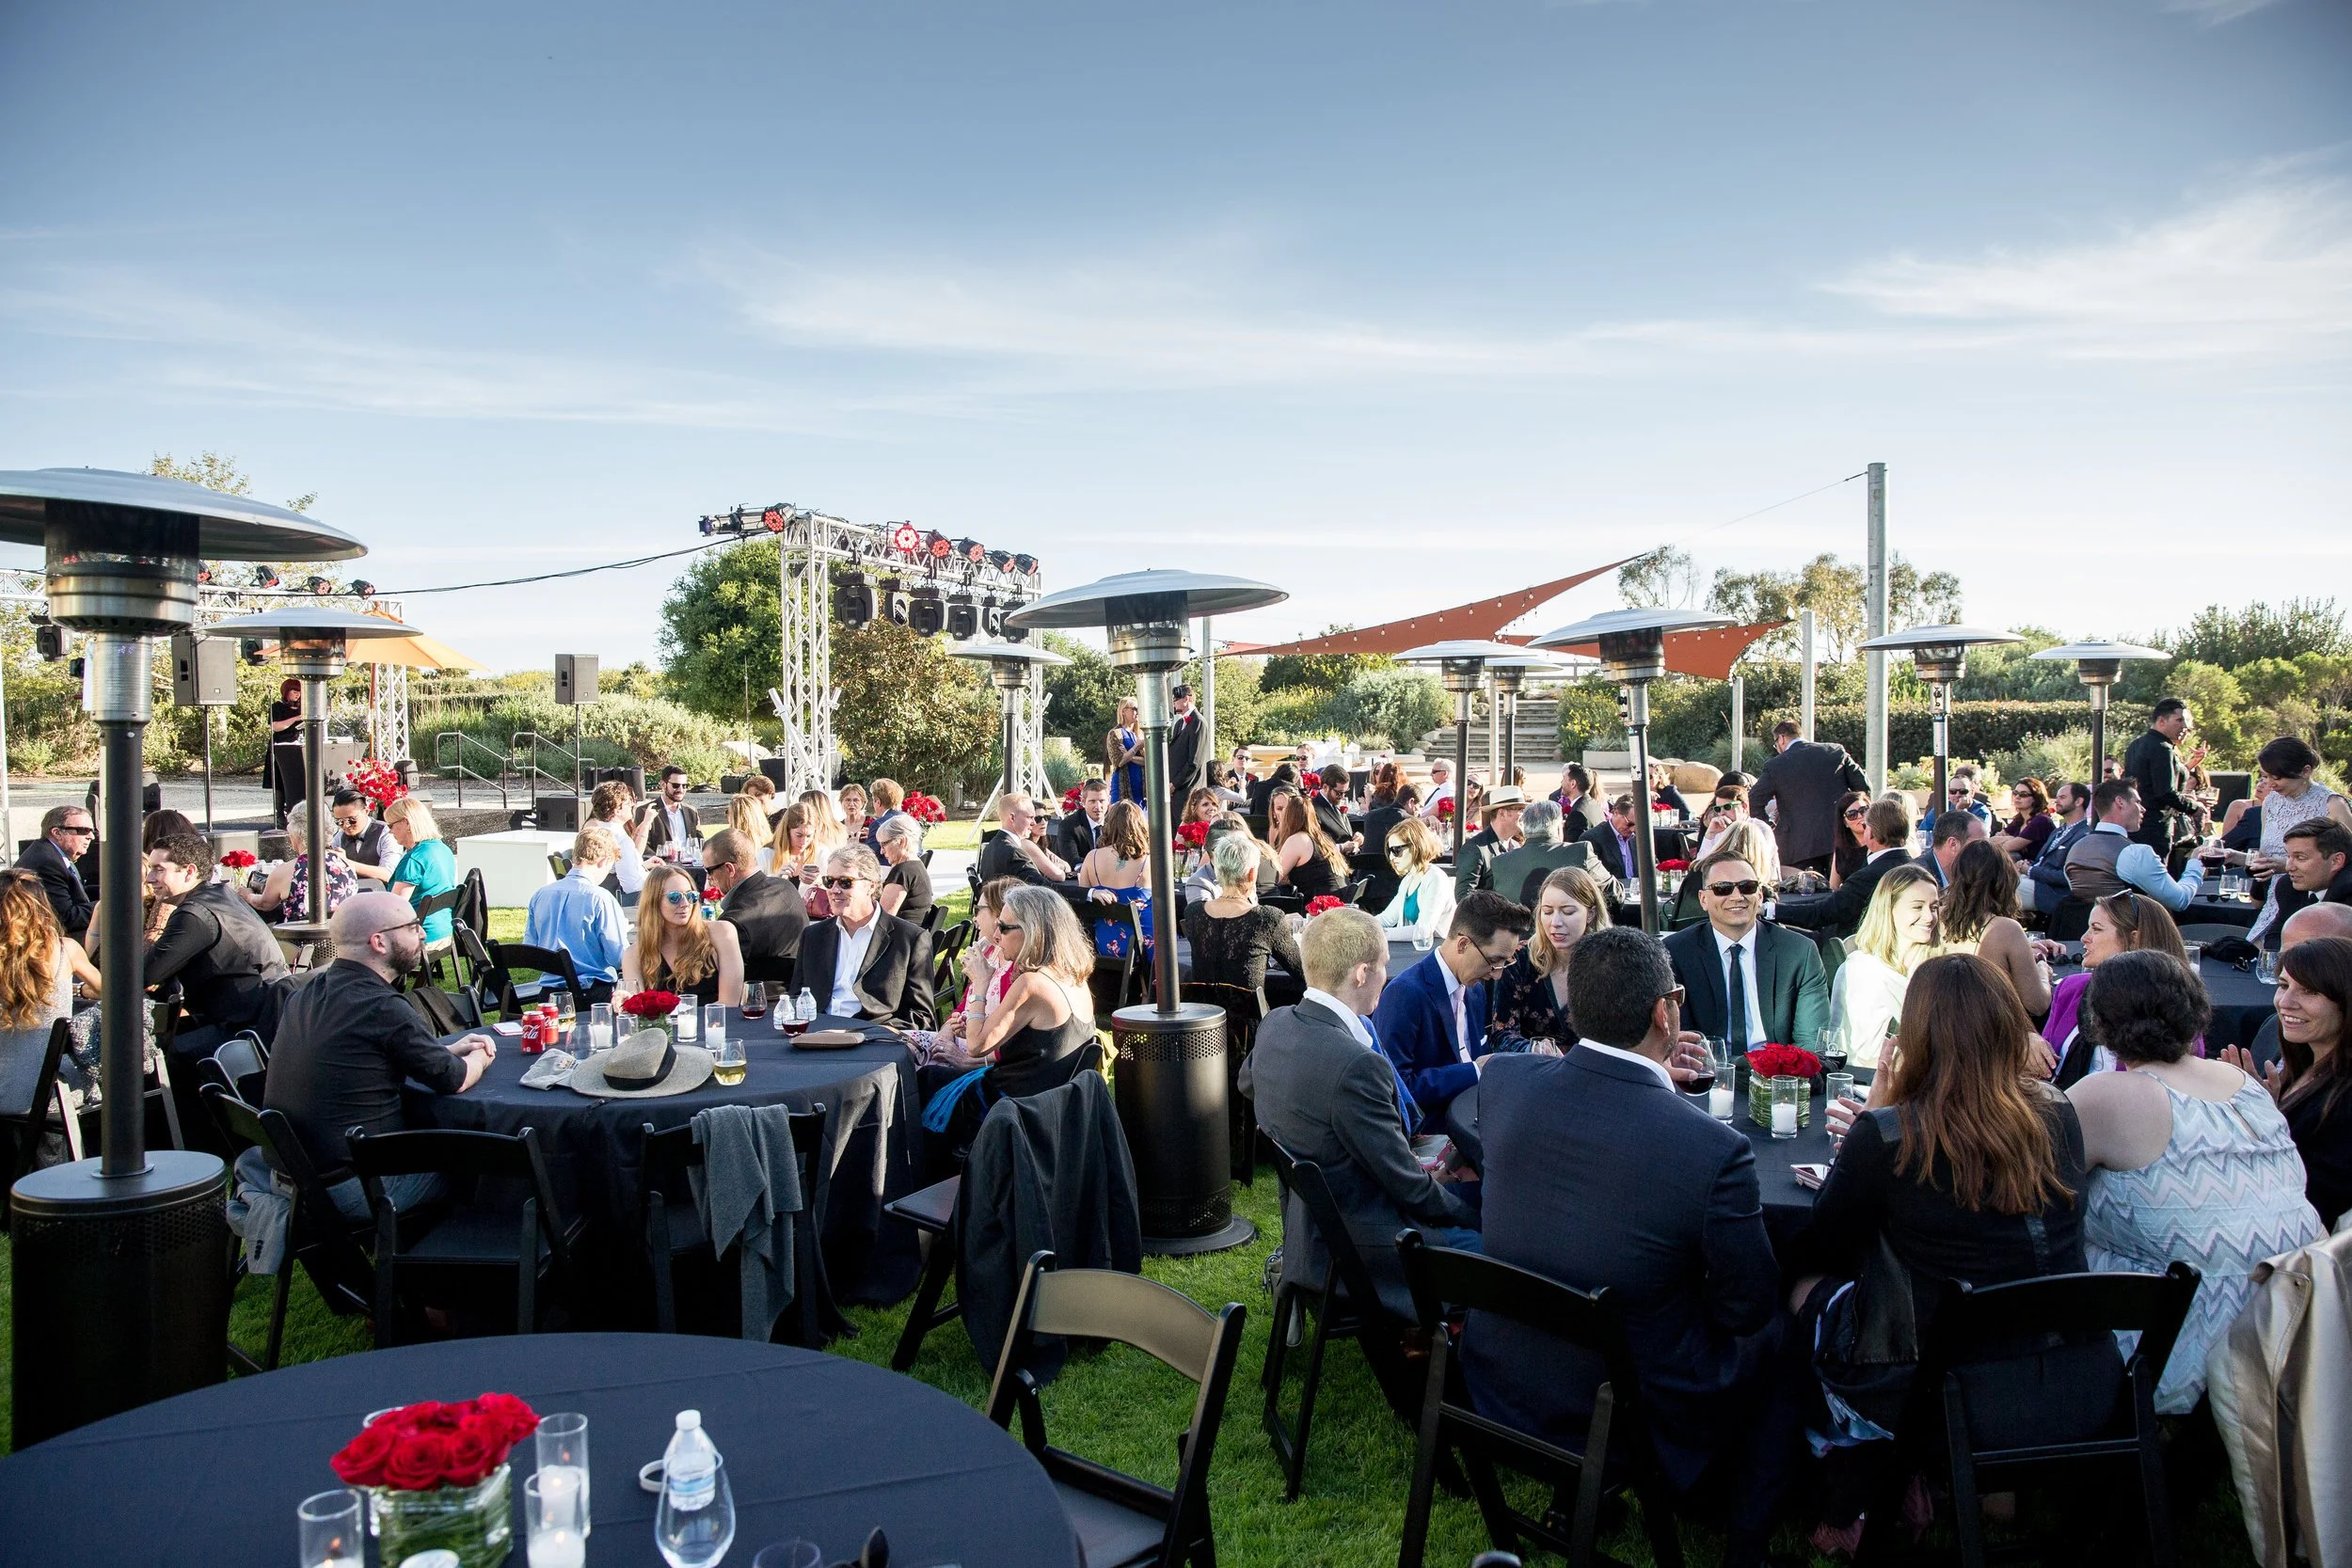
{"x":321,"y":1241}
{"x":553,"y":964}
{"x":944,"y":952}
{"x":1971,"y":1322}
{"x":474,"y":907}
{"x":440,"y":903}
{"x":1105,"y":1304}
{"x":243,"y":1066}
{"x":445,"y":1012}
{"x":1304,"y":1178}
{"x":28,"y":1067}
{"x":1444,"y":1278}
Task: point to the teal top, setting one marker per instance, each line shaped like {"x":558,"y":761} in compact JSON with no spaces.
{"x":430,"y":869}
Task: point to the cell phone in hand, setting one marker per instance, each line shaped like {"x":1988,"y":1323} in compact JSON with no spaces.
{"x":1810,"y":1176}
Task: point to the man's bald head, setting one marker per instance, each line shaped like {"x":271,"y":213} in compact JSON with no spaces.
{"x":2314,"y":921}
{"x":367,"y":929}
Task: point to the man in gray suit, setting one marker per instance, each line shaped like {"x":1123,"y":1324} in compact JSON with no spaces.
{"x":1520,"y":873}
{"x":1326,"y":1091}
{"x":1807,"y":778}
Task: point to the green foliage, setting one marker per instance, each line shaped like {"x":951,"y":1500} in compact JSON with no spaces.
{"x":1836,"y":593}
{"x":2220,"y":635}
{"x":1589,"y":719}
{"x":1980,"y":729}
{"x":1318,"y":671}
{"x":910,"y":711}
{"x":2008,"y":671}
{"x":1391,"y":706}
{"x":2064,"y":757}
{"x":1290,"y":716}
{"x":1082,"y":697}
{"x":1240,"y":701}
{"x":1664,"y":578}
{"x":621,"y":730}
{"x":721,"y":646}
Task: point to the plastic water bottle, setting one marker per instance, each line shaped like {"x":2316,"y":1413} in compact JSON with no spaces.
{"x":805,"y":1006}
{"x":690,"y":1465}
{"x":695,"y":1524}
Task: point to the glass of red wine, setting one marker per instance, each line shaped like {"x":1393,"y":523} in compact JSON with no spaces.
{"x":754,"y":1002}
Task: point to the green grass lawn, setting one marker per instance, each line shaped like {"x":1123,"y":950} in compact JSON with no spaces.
{"x":1126,"y":1410}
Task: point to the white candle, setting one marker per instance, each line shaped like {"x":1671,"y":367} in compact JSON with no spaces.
{"x":1785,"y":1120}
{"x":558,"y":1548}
{"x":688,"y":1021}
{"x":1719,"y":1101}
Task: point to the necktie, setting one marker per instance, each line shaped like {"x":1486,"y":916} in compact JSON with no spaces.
{"x":1405,"y":1108}
{"x":1736,"y":998}
{"x":1461,"y":1025}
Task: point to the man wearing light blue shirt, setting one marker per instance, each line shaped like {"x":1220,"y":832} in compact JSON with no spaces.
{"x":2108,"y":860}
{"x":578,"y":917}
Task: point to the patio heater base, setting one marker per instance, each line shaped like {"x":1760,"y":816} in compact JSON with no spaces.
{"x":1170,"y":1084}
{"x":121,"y":1288}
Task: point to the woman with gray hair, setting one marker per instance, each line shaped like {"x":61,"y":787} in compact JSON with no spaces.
{"x":1233,"y":935}
{"x":906,"y":886}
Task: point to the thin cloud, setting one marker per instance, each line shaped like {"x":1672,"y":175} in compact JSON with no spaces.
{"x":2213,"y":14}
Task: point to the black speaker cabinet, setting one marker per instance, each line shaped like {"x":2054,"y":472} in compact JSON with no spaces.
{"x":557,"y":814}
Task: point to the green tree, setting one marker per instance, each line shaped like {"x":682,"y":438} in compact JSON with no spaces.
{"x":1837,"y":592}
{"x":1318,"y":671}
{"x":721,"y":648}
{"x":2228,"y":638}
{"x":1393,"y":707}
{"x":2216,"y":702}
{"x":1082,"y":697}
{"x":1665,"y":579}
{"x":910,"y":711}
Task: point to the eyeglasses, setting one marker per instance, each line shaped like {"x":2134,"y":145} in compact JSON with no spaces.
{"x":1744,"y":889}
{"x":1855,"y":814}
{"x":678,"y":896}
{"x":405,"y":926}
{"x":1006,"y":928}
{"x":1676,"y":996}
{"x":840,"y":884}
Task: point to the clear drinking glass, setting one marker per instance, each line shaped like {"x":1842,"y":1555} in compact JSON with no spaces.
{"x":600,"y":1027}
{"x":714,"y":1024}
{"x":728,"y":1066}
{"x":688,"y":1021}
{"x":699,"y":1537}
{"x":555,"y":1518}
{"x":563,"y":1440}
{"x":2266,"y":966}
{"x":2196,"y":951}
{"x":334,"y":1532}
{"x":1840,"y":1085}
{"x":789,"y":1554}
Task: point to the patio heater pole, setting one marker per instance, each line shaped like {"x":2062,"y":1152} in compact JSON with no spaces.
{"x":1940,"y":654}
{"x":1461,"y":748}
{"x":121,"y":694}
{"x":1805,"y":699}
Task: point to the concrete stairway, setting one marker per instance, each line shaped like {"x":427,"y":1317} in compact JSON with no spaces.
{"x":1537,"y":740}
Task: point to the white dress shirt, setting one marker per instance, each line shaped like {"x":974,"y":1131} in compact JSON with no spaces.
{"x":1664,"y":1076}
{"x":628,"y":872}
{"x":1356,"y":1026}
{"x":848,"y":957}
{"x":682,"y":824}
{"x":1747,"y":975}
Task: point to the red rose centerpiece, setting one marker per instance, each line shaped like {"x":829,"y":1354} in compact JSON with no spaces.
{"x":1770,"y":1061}
{"x":924,"y":808}
{"x":379,"y":782}
{"x":238,"y":860}
{"x":1192,"y":835}
{"x":651,"y":1010}
{"x":1445,"y":808}
{"x":1070,"y":800}
{"x":1674,"y":866}
{"x":1321,"y":902}
{"x":437,"y":1476}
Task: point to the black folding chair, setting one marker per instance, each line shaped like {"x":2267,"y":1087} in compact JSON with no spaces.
{"x":933,"y":1212}
{"x":1120,"y":1519}
{"x":674,"y":1230}
{"x":1346,"y":1306}
{"x":2072,"y":918}
{"x":553,"y":966}
{"x":437,"y":953}
{"x":561,"y":864}
{"x":473,"y":905}
{"x":1245,"y":1009}
{"x":1616,"y":1439}
{"x":1972,"y":1326}
{"x":1118,"y":983}
{"x":465,"y":1256}
{"x":241,"y":1066}
{"x":328,"y":1246}
{"x":28,"y":1083}
{"x":445,"y":1012}
{"x":469,"y":954}
{"x":944,"y":952}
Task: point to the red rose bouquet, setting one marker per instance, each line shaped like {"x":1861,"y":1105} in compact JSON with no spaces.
{"x":417,"y":1448}
{"x":1674,"y":866}
{"x":1445,"y":808}
{"x":1782,"y":1061}
{"x":654,"y":1006}
{"x":380,"y":784}
{"x":1070,"y":799}
{"x":1192,"y":835}
{"x":924,"y":808}
{"x":238,"y":860}
{"x":1325,"y":901}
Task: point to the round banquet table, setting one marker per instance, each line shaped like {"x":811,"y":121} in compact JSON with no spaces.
{"x":869,"y":1157}
{"x":2240,"y":999}
{"x":2209,"y":911}
{"x":815,"y":1446}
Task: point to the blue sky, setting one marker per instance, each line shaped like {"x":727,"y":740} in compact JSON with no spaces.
{"x":1395,"y":306}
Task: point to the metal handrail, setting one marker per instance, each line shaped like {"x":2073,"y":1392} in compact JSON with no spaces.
{"x":532,"y":769}
{"x":461,"y":772}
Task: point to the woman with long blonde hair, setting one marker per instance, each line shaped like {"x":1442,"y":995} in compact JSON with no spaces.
{"x":1122,"y":754}
{"x":676,"y":949}
{"x":38,"y":962}
{"x":747,"y":813}
{"x":824,"y":821}
{"x":797,"y":857}
{"x":1530,"y":996}
{"x":1897,"y":936}
{"x":1311,"y":863}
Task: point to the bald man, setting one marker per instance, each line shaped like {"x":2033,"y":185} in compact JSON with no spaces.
{"x":348,"y":1040}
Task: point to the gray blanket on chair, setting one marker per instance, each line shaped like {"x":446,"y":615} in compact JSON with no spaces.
{"x":746,"y":1191}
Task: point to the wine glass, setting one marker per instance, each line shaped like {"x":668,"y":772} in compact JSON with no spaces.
{"x":696,"y":1537}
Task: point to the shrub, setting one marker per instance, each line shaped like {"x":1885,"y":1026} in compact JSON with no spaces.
{"x":1391,"y":707}
{"x":1286,"y":717}
{"x":1977,"y":729}
{"x":2055,"y":759}
{"x":1589,"y":719}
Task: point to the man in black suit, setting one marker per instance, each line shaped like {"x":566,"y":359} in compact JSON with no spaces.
{"x":1954,"y":830}
{"x":1325,"y":1091}
{"x":1598,"y":1174}
{"x":1783,"y":994}
{"x":65,"y":838}
{"x":1498,"y":834}
{"x":2318,"y":871}
{"x":863,"y":963}
{"x":1285,"y":776}
{"x":1518,"y":875}
{"x":1578,"y":805}
{"x":1015,"y":852}
{"x":1807,"y":778}
{"x":1189,"y":748}
{"x":224,"y":960}
{"x":676,"y":826}
{"x":1329,"y":804}
{"x":1074,"y":836}
{"x":1613,"y":843}
{"x":768,"y":913}
{"x":2154,"y":763}
{"x":1837,"y":913}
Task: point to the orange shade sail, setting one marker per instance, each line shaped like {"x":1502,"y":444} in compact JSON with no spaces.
{"x":1482,"y":619}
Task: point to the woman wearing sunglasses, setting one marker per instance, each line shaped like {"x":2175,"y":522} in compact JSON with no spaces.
{"x":1852,"y":851}
{"x":676,"y":949}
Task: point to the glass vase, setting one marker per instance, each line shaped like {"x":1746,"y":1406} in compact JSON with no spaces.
{"x":476,"y":1522}
{"x":1761,"y":1099}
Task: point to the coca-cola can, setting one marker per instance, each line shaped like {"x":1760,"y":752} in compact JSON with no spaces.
{"x":533,"y":1044}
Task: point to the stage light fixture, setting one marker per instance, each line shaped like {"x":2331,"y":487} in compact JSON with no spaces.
{"x":320,"y":586}
{"x":971,"y":551}
{"x":905,"y":538}
{"x":708,"y":526}
{"x":362,"y":587}
{"x":265,"y":578}
{"x":1001,"y":560}
{"x":49,"y":641}
{"x":772,"y":519}
{"x":735,"y":520}
{"x":1025,"y":565}
{"x":991,"y":617}
{"x":204,"y":574}
{"x":893,"y":601}
{"x":963,"y":617}
{"x":938,"y":545}
{"x":853,"y":599}
{"x":926,"y":612}
{"x":249,"y":649}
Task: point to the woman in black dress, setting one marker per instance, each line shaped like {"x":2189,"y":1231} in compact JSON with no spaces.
{"x":1529,"y":1001}
{"x":1313,"y":866}
{"x":286,"y":775}
{"x":1027,"y":1040}
{"x":1233,"y":935}
{"x":1854,"y":846}
{"x":676,"y":949}
{"x":906,"y":887}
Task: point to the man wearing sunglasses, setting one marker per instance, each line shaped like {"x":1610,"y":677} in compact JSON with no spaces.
{"x":1433,"y":1018}
{"x":1748,"y":981}
{"x":66,"y":834}
{"x":863,"y":963}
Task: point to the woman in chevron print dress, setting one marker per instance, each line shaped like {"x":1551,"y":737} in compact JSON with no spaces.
{"x":2190,"y":1159}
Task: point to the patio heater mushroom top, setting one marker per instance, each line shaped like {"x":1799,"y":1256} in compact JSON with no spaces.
{"x":1633,"y":641}
{"x":1463,"y":662}
{"x":1146,"y":613}
{"x":1940,"y":652}
{"x":1008,"y":662}
{"x":311,"y":640}
{"x":2098,"y":660}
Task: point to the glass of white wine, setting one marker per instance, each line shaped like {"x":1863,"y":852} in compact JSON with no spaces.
{"x":728,"y":1065}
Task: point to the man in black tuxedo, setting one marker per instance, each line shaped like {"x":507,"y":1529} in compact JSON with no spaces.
{"x":65,"y":838}
{"x":2154,"y":763}
{"x":1598,"y":1174}
{"x":1807,"y":778}
{"x":1580,"y":807}
{"x":1837,"y":913}
{"x":1189,"y":748}
{"x":1074,"y":836}
{"x":1782,"y":995}
{"x":863,"y":963}
{"x":1329,"y":804}
{"x":1613,"y":843}
{"x":768,"y":913}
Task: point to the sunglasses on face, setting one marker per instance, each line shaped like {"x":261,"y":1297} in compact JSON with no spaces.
{"x":1857,"y":813}
{"x":78,"y":832}
{"x":837,"y":884}
{"x":1744,"y":889}
{"x":678,"y":896}
{"x":1006,"y":928}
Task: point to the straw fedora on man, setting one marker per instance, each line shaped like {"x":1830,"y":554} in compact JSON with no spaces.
{"x":646,"y":1066}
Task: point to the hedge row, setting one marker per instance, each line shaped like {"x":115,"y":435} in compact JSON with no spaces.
{"x":1692,"y":719}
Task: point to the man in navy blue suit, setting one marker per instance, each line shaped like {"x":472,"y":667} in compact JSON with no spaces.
{"x":1599,"y":1173}
{"x":1433,"y":1018}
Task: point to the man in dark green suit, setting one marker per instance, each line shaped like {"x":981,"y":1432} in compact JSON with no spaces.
{"x":1781,"y":995}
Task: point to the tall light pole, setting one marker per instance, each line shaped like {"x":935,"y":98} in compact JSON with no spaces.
{"x":313,"y":646}
{"x":1632,"y":648}
{"x":1009,"y":667}
{"x":120,"y":1297}
{"x":1940,"y":654}
{"x":1171,"y":1077}
{"x":2099,"y":661}
{"x":1462,"y":666}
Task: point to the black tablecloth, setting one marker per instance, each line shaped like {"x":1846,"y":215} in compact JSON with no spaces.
{"x":2219,"y":912}
{"x":870,"y":1154}
{"x":2240,"y":999}
{"x":816,"y":1447}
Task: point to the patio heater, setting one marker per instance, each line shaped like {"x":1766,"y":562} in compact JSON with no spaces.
{"x":1462,"y":666}
{"x":2099,"y":661}
{"x":1940,"y":654}
{"x":1509,"y":677}
{"x":1632,"y":647}
{"x":313,"y":643}
{"x":1009,"y":667}
{"x":1171,"y":1082}
{"x":120,"y":1297}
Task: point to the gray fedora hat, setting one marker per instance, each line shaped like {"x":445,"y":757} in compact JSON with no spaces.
{"x":646,"y":1066}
